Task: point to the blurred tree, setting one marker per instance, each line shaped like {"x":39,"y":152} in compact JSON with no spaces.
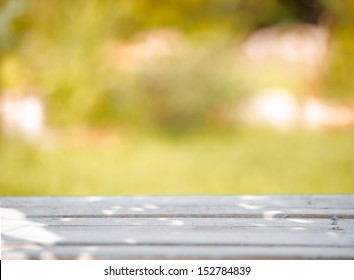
{"x":12,"y":23}
{"x":309,"y":11}
{"x":60,"y":47}
{"x":197,"y":15}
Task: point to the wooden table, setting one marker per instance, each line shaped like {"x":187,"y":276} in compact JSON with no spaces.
{"x":178,"y":227}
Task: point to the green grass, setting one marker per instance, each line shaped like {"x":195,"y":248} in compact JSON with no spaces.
{"x":245,"y":162}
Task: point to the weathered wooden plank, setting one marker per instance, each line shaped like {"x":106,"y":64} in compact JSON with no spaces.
{"x":179,"y":227}
{"x":216,"y":222}
{"x":247,"y":202}
{"x":192,"y":235}
{"x":31,"y":251}
{"x":179,"y":207}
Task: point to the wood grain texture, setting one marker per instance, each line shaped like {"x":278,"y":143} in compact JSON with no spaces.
{"x":178,"y":227}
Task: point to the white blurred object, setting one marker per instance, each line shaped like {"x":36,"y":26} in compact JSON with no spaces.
{"x":22,"y":117}
{"x":318,"y":114}
{"x":276,"y":108}
{"x":279,"y":109}
{"x":305,"y":44}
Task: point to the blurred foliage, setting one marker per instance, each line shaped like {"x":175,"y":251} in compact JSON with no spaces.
{"x":338,"y":84}
{"x":12,"y":23}
{"x":188,"y":91}
{"x":58,"y":48}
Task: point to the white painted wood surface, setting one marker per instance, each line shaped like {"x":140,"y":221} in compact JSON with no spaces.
{"x":178,"y":227}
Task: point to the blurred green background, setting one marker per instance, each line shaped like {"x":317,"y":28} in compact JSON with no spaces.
{"x":140,"y":97}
